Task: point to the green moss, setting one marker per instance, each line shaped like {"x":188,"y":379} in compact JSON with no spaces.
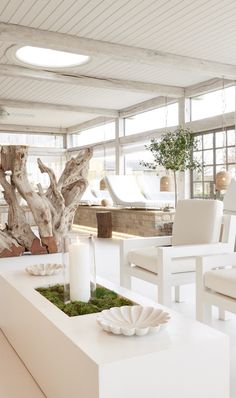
{"x":101,"y":299}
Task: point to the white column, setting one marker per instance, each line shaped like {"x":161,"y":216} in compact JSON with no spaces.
{"x":119,"y":132}
{"x":184,"y":178}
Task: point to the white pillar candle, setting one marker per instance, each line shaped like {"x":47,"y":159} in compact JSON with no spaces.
{"x":79,"y":272}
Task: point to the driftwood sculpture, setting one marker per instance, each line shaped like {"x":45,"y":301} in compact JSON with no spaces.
{"x":53,"y":210}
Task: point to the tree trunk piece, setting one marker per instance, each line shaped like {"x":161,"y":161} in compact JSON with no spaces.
{"x":104,"y":224}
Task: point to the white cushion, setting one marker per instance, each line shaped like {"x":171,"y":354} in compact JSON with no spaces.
{"x":197,"y":221}
{"x":230,"y":197}
{"x":222,"y":281}
{"x":147,"y":259}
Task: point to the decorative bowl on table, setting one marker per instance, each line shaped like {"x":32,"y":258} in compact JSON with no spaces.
{"x":132,"y":320}
{"x":43,"y":269}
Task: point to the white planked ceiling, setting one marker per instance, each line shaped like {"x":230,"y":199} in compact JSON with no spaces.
{"x":34,"y":117}
{"x":195,"y":28}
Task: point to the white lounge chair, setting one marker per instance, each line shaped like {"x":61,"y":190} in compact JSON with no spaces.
{"x":150,"y":188}
{"x":126,"y":192}
{"x":89,"y":199}
{"x":170,"y":261}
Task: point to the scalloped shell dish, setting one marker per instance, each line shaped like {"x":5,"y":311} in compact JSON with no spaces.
{"x":132,"y":320}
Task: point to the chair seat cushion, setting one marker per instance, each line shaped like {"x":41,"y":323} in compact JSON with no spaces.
{"x":222,"y":281}
{"x":147,"y":259}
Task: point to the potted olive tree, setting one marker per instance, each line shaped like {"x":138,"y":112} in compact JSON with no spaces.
{"x":174,"y":152}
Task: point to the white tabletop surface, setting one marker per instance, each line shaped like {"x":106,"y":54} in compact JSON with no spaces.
{"x":84,"y":330}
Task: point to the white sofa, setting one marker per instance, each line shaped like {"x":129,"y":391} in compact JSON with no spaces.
{"x":129,"y":191}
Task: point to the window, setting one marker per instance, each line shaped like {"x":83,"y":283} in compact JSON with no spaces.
{"x":55,"y":161}
{"x":102,"y":163}
{"x":94,"y":135}
{"x":36,"y":140}
{"x":216,"y":151}
{"x":162,"y":117}
{"x":212,"y":104}
{"x":133,"y":166}
{"x":133,"y":154}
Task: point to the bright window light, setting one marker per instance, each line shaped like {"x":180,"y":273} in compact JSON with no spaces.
{"x":49,"y":58}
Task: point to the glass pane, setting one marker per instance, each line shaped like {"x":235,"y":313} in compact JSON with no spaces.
{"x":197,"y":190}
{"x":198,"y":140}
{"x":232,"y":170}
{"x":208,"y":189}
{"x":231,"y":137}
{"x":208,"y":157}
{"x":220,"y":156}
{"x":157,"y":118}
{"x":220,"y":167}
{"x":220,"y":138}
{"x":212,"y":104}
{"x":133,"y":166}
{"x":55,"y":162}
{"x":208,"y":141}
{"x":101,"y":165}
{"x":198,"y":156}
{"x":36,"y":140}
{"x":208,"y":173}
{"x":231,"y":155}
{"x":197,"y":175}
{"x":94,"y":135}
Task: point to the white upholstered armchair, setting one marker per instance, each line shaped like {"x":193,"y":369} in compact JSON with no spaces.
{"x":215,"y":285}
{"x":199,"y":229}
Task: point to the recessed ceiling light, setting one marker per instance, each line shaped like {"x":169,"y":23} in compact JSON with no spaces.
{"x":46,"y":57}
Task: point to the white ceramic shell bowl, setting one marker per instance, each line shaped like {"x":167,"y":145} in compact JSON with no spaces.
{"x":43,"y":269}
{"x":132,"y":320}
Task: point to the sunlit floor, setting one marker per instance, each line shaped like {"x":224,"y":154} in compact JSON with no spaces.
{"x":16,"y":382}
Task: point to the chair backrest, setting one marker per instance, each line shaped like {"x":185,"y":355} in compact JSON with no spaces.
{"x":149,"y":186}
{"x":230,"y":198}
{"x":197,"y":221}
{"x":124,"y":189}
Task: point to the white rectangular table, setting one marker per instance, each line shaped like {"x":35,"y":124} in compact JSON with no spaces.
{"x":74,"y":357}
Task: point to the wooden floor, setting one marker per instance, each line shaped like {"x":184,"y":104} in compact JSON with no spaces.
{"x":15,"y":380}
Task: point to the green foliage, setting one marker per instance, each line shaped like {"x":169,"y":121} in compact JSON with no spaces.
{"x":102,"y":299}
{"x":173,"y":151}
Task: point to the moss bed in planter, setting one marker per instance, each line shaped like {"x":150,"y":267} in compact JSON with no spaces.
{"x":102,"y":299}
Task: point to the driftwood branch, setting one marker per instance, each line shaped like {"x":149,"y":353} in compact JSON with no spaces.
{"x":53,"y":210}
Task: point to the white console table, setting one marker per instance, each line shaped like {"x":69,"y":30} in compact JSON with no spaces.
{"x":74,"y":357}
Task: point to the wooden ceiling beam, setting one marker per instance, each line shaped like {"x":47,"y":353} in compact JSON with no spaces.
{"x":57,"y":107}
{"x":145,"y":106}
{"x":30,"y":36}
{"x":31,"y":129}
{"x":89,"y":81}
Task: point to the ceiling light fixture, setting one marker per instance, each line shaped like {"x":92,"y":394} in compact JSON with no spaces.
{"x":45,"y":57}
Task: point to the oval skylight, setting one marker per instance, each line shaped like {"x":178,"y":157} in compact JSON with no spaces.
{"x":46,"y":57}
